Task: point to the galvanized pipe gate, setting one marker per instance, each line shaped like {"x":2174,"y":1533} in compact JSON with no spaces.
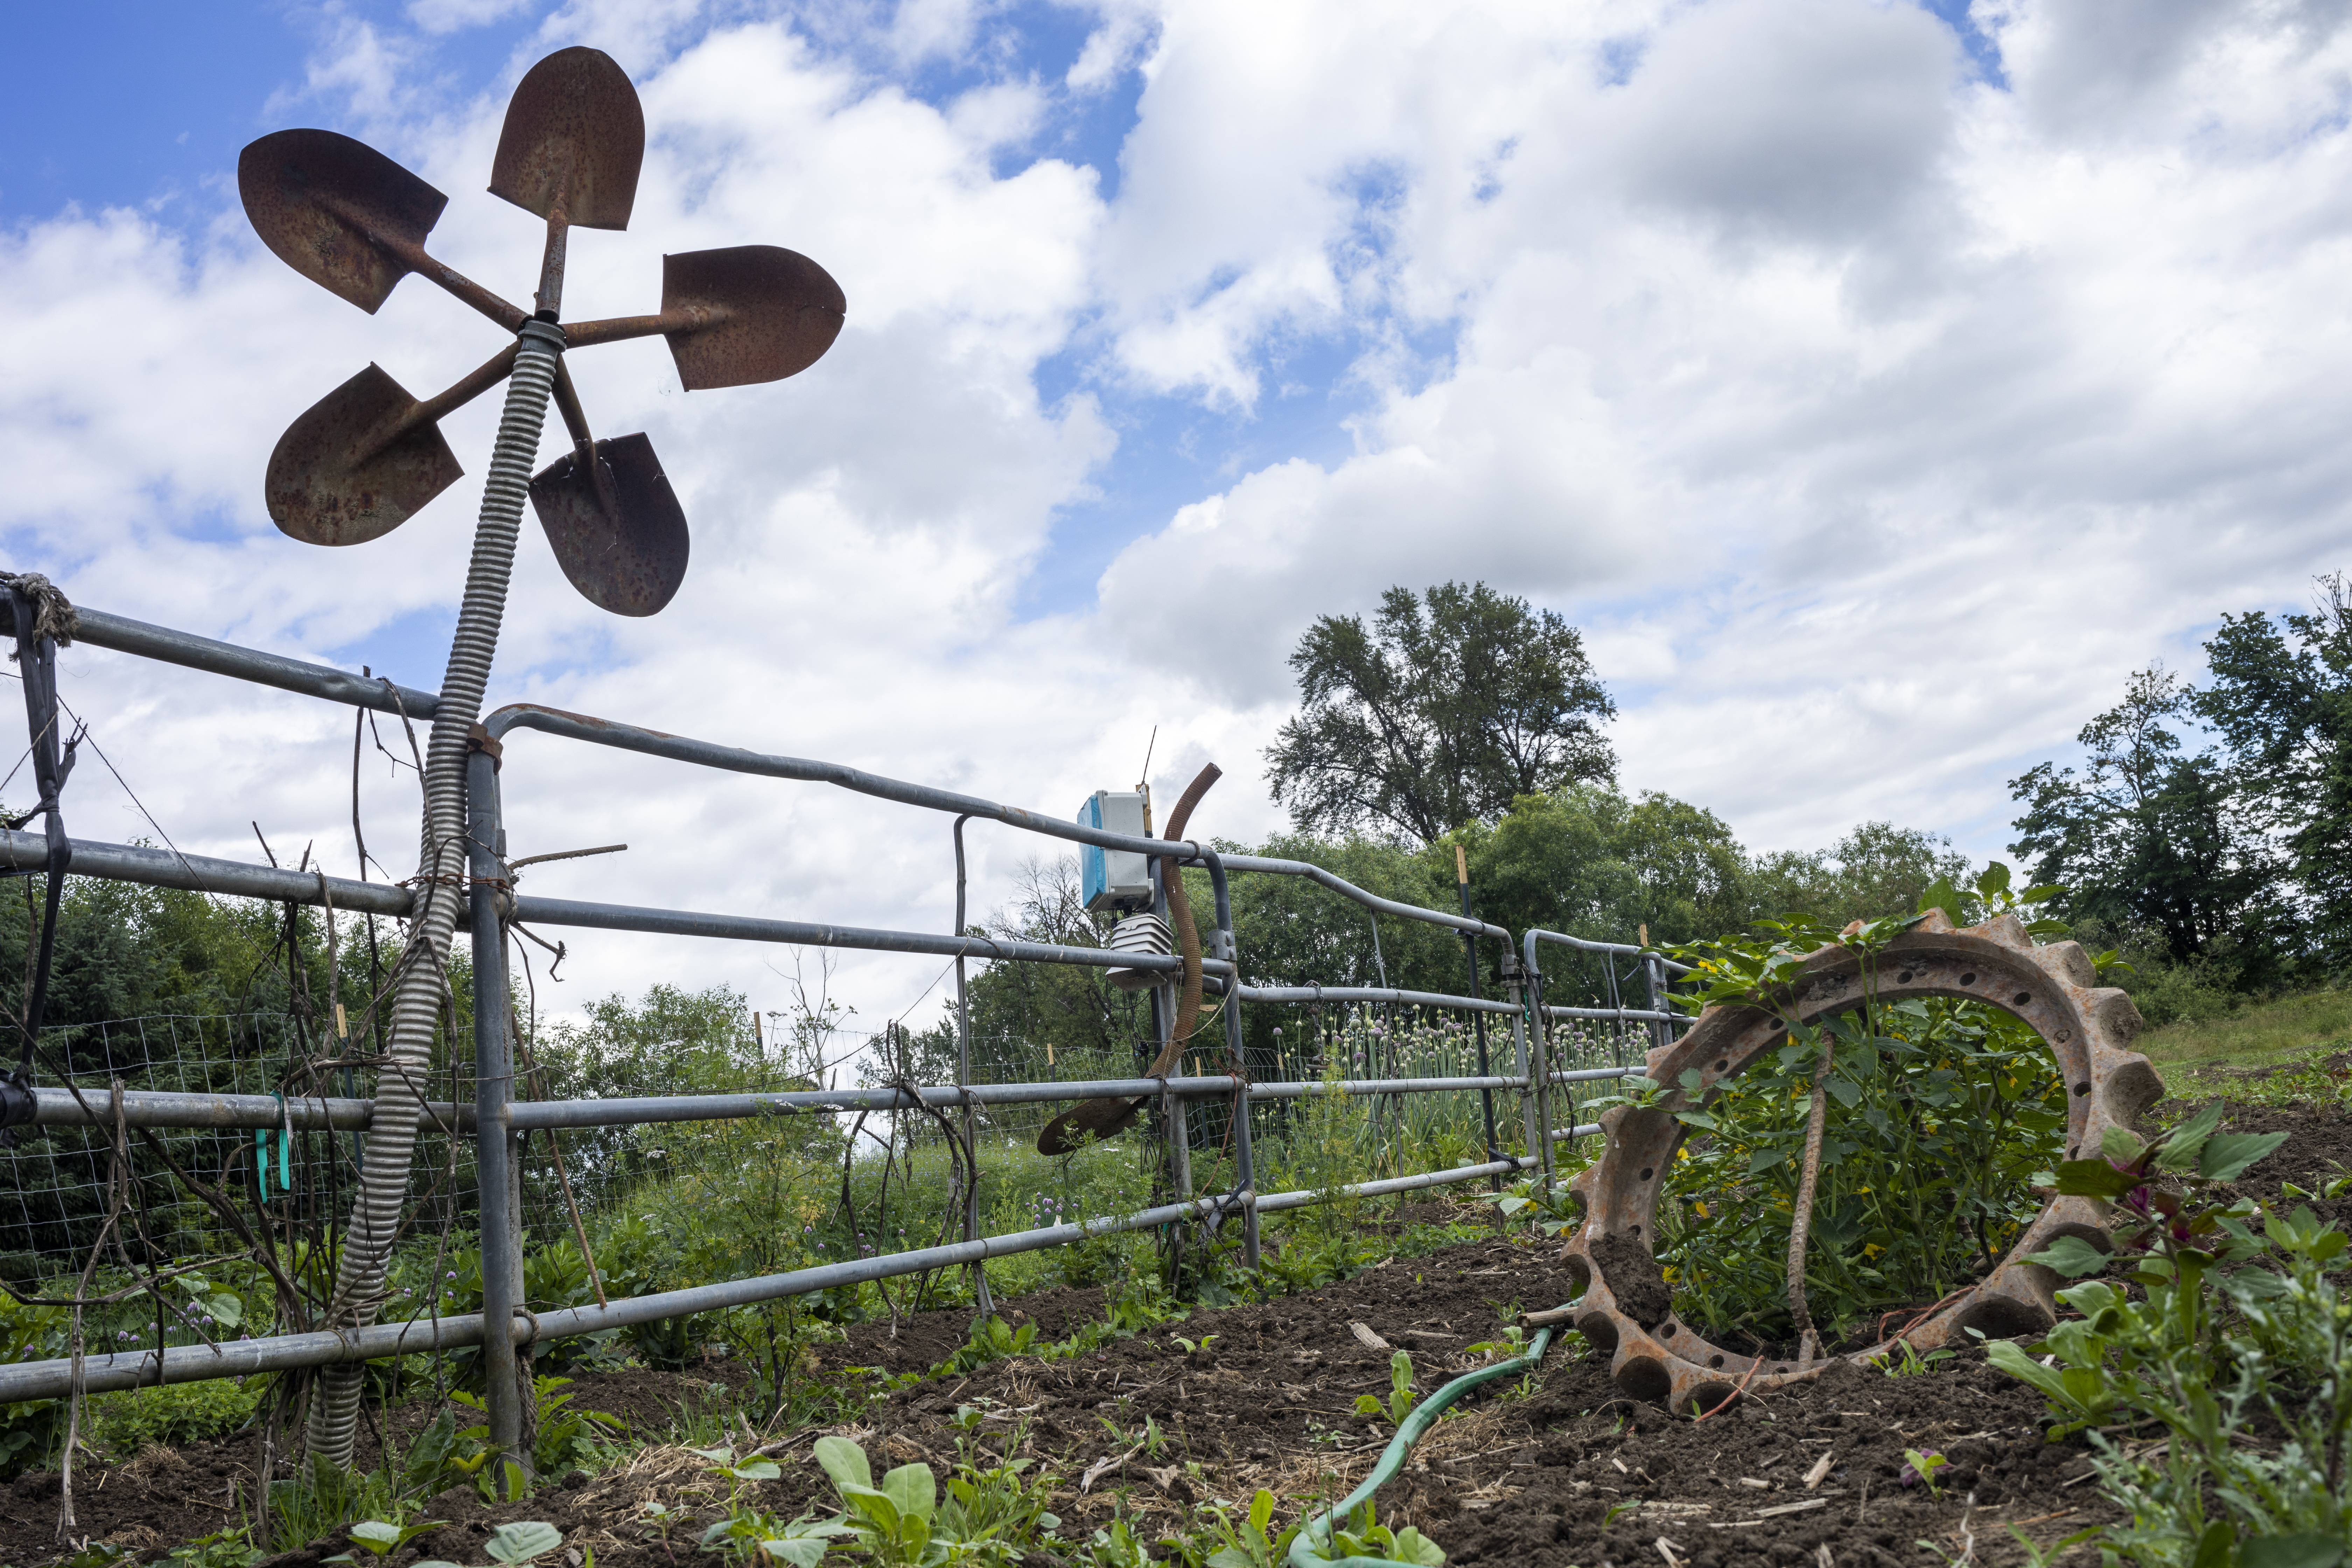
{"x":496,"y":1119}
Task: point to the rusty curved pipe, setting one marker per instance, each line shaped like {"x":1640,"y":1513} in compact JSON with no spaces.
{"x":1187,"y":933}
{"x":1100,"y":1119}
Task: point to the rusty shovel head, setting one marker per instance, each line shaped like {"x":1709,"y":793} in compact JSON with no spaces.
{"x":314,"y":197}
{"x":574,"y":135}
{"x":630,"y":564}
{"x":771,"y":313}
{"x":346,"y":471}
{"x":1094,"y":1119}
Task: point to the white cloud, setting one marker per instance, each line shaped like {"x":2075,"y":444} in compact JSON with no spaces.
{"x":1898,"y":414}
{"x":1874,"y":420}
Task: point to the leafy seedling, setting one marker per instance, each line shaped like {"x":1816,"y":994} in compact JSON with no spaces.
{"x":1367,"y":1538}
{"x":1401,"y":1398}
{"x":380,"y":1538}
{"x":515,"y":1545}
{"x":724,"y":1464}
{"x":1250,"y":1544}
{"x":892,"y":1521}
{"x":1923,"y":1468}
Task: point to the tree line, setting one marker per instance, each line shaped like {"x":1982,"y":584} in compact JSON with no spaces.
{"x":2208,"y":829}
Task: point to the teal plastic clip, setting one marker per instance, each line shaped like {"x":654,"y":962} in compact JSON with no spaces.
{"x":284,"y":1134}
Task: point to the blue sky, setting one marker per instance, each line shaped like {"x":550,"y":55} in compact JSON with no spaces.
{"x":1877,"y":384}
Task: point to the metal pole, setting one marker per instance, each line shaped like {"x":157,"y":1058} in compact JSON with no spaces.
{"x":981,"y":1298}
{"x":502,"y":1368}
{"x":1174,"y":1123}
{"x":1530,"y":1048}
{"x":1244,"y":1155}
{"x":1479,"y":1020}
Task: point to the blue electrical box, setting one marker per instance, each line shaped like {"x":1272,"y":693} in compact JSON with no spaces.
{"x":1114,"y":879}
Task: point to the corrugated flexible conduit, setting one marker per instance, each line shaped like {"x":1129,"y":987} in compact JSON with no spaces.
{"x":1316,"y":1533}
{"x":441,"y":890}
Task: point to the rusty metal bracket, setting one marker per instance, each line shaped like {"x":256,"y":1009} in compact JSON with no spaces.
{"x":1626,"y":1311}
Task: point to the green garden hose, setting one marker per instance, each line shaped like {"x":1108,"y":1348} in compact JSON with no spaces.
{"x":1424,"y":1416}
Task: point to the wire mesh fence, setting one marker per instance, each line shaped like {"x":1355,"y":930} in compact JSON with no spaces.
{"x":638,"y":1198}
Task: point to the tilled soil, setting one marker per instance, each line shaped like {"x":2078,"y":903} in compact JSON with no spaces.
{"x":1564,"y":1471}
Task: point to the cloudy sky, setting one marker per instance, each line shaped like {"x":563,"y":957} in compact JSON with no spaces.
{"x":1877,"y":384}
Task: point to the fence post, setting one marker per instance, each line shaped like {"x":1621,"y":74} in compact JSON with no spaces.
{"x":1245,"y":1153}
{"x":1477,"y":1020}
{"x":980,"y":1295}
{"x":1651,"y":974}
{"x":1532,"y":1068}
{"x":494,"y":1173}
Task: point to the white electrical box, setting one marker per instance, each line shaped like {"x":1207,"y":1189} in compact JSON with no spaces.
{"x":1114,"y":879}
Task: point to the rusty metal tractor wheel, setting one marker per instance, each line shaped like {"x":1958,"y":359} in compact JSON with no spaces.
{"x":1627,"y":1311}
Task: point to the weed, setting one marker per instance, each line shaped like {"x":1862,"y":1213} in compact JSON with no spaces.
{"x":566,"y":1437}
{"x":1921,"y":1469}
{"x":381,"y":1537}
{"x":226,"y":1549}
{"x":1940,"y":1115}
{"x":176,"y":1414}
{"x":991,"y":1505}
{"x":892,"y":1523}
{"x":1364,"y":1537}
{"x":735,"y":1472}
{"x":1510,"y":1341}
{"x":1401,"y":1398}
{"x":993,"y":1340}
{"x":316,"y":1503}
{"x":2040,"y":1557}
{"x":1115,"y":1545}
{"x":1909,"y":1363}
{"x":663,"y":1517}
{"x":1249,"y":1543}
{"x":2204,"y":1354}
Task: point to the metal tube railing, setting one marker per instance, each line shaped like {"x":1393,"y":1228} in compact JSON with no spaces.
{"x":495,"y":1118}
{"x":168,"y":646}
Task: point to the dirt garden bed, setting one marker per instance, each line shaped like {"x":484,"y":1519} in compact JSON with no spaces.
{"x":1571,"y":1474}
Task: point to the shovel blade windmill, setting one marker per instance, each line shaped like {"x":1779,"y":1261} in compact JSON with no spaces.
{"x":369,"y":456}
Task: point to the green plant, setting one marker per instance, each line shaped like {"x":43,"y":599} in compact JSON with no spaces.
{"x":1195,"y":1347}
{"x":992,"y":1506}
{"x":1115,"y":1545}
{"x":1400,"y":1399}
{"x":993,"y":1340}
{"x":1510,"y":1341}
{"x":317,"y":1502}
{"x":1941,"y":1116}
{"x":515,"y":1545}
{"x":2204,"y":1352}
{"x":1921,"y":1468}
{"x":1551,"y":1209}
{"x":1364,"y":1537}
{"x":735,"y":1472}
{"x":525,"y":1541}
{"x":224,"y":1549}
{"x":758,"y":1538}
{"x":1248,"y":1544}
{"x":176,"y":1414}
{"x":663,"y":1517}
{"x":566,"y":1437}
{"x":381,"y":1537}
{"x":1907,"y":1362}
{"x":893,"y":1521}
{"x":30,"y":1430}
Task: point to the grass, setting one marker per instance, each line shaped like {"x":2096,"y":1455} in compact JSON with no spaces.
{"x":2266,"y":1034}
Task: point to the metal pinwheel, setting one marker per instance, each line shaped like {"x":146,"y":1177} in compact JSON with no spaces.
{"x":369,"y":456}
{"x":366,"y":458}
